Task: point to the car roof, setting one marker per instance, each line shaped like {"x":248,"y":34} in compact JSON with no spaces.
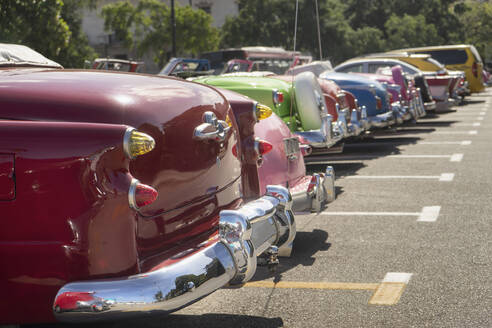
{"x":365,"y":60}
{"x":450,"y":46}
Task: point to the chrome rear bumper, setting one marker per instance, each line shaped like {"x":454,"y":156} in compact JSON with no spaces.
{"x":327,"y":136}
{"x":402,"y":113}
{"x":382,"y":120}
{"x":311,"y":197}
{"x":231,"y":257}
{"x":431,"y":105}
{"x":356,"y":125}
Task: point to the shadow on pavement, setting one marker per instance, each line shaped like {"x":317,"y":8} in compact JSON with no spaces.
{"x":306,"y":245}
{"x":471,"y":102}
{"x":179,"y":320}
{"x":366,"y":149}
{"x":437,"y":123}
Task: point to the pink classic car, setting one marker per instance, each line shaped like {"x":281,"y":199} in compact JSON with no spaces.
{"x":124,"y":194}
{"x":283,"y":163}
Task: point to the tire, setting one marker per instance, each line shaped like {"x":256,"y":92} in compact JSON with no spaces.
{"x":309,"y":100}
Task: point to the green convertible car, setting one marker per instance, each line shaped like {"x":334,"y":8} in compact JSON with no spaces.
{"x":300,"y":103}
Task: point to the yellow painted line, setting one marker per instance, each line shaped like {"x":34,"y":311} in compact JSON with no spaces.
{"x":312,"y":285}
{"x":388,"y":293}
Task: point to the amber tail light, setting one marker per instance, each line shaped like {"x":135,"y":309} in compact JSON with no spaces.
{"x":141,"y":195}
{"x":475,"y":69}
{"x":262,"y":111}
{"x":136,"y":143}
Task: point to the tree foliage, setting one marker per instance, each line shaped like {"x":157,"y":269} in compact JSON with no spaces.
{"x":353,"y":27}
{"x":146,"y":28}
{"x":410,"y":31}
{"x":477,"y":17}
{"x":51,"y":27}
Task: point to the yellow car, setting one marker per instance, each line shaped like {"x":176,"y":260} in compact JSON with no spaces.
{"x":424,"y":62}
{"x":456,"y":57}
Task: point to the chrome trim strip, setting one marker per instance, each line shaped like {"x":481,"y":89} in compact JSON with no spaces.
{"x":255,"y":106}
{"x":126,"y":142}
{"x":382,"y":120}
{"x":131,"y":194}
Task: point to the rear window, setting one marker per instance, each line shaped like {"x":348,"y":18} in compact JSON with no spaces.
{"x":356,"y":68}
{"x":449,"y":56}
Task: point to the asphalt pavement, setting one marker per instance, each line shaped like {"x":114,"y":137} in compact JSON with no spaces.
{"x":407,"y":243}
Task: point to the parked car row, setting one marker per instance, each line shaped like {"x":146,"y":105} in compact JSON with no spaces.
{"x":125,"y":194}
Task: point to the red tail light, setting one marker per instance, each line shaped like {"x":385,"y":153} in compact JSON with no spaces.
{"x":141,"y":195}
{"x":379,"y":103}
{"x":475,"y":69}
{"x":263,"y":147}
{"x":306,"y":150}
{"x":312,"y":184}
{"x":278,"y":97}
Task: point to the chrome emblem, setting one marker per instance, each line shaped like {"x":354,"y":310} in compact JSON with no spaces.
{"x":212,"y":129}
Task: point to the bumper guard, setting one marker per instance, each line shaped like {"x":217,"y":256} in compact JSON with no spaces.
{"x":231,"y":258}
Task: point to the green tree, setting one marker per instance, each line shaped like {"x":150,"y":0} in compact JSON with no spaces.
{"x":259,"y":22}
{"x":51,"y":27}
{"x":410,"y":31}
{"x":146,"y":28}
{"x":36,"y":24}
{"x":78,"y":50}
{"x":271,"y":23}
{"x":476,"y":17}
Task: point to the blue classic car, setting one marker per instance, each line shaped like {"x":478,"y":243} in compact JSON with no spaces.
{"x":369,"y":93}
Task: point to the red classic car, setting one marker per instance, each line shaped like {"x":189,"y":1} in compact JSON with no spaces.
{"x":124,"y":194}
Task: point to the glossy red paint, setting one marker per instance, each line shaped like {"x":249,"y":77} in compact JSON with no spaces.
{"x":7,"y":183}
{"x":276,"y":167}
{"x":70,"y":218}
{"x":243,"y":111}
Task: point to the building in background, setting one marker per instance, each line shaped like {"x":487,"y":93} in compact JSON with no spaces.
{"x":107,"y":45}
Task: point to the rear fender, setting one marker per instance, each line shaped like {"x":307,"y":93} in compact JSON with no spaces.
{"x":69,"y":218}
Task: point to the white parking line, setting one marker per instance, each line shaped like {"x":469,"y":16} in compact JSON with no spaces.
{"x":443,"y":177}
{"x":480,"y":118}
{"x":452,"y":158}
{"x":428,"y":213}
{"x":391,"y":289}
{"x":461,"y":143}
{"x":481,"y":113}
{"x":456,"y":158}
{"x":471,"y":132}
{"x":370,"y":213}
{"x":397,"y":277}
{"x":342,"y":158}
{"x":447,"y":177}
{"x":467,"y":124}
